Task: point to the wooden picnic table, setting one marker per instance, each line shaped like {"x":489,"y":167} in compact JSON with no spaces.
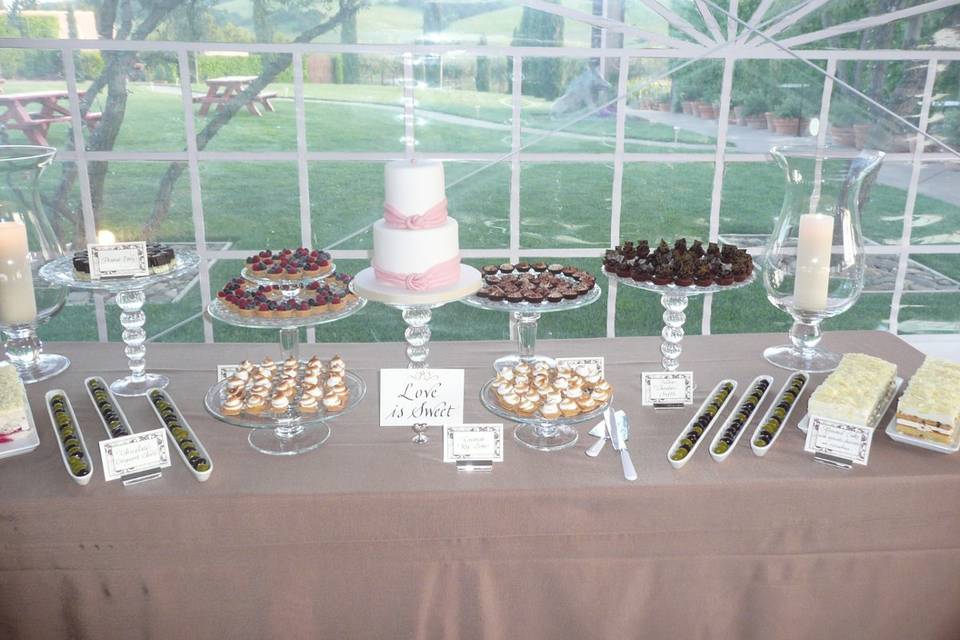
{"x":15,"y":113}
{"x":221,"y":90}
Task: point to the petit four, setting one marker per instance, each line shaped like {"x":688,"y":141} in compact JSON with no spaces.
{"x":13,"y":408}
{"x":783,"y":405}
{"x":289,"y":264}
{"x":539,"y":390}
{"x":930,"y":407}
{"x":72,"y":448}
{"x":680,"y":265}
{"x":293,"y":386}
{"x":161,"y":258}
{"x":523,"y":282}
{"x":191,"y":450}
{"x":856,"y":391}
{"x":113,"y":419}
{"x":690,"y":439}
{"x":728,"y":438}
{"x":248,"y":299}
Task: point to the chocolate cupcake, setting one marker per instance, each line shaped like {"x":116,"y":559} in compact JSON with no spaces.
{"x":554,"y":296}
{"x":490,"y":269}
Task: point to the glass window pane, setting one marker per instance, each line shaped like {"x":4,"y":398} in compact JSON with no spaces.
{"x":666,"y":200}
{"x":931,"y":295}
{"x":565,"y":205}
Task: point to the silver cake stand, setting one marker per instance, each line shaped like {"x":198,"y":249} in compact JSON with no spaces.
{"x":130,"y":297}
{"x":525,"y":316}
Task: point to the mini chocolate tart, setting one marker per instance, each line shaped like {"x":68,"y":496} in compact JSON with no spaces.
{"x":533,"y":296}
{"x":515,"y":296}
{"x":555,"y":269}
{"x":506,"y":267}
{"x":569,"y":271}
{"x":569,"y":293}
{"x":491,"y":280}
{"x":483,"y":293}
{"x":554,"y":296}
{"x":495,"y":294}
{"x":539,"y":267}
{"x":490,"y":269}
{"x":522,"y":267}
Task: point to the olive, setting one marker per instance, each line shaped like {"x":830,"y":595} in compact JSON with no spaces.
{"x":201,"y":465}
{"x":76,"y":453}
{"x":189,"y":451}
{"x":765,"y":437}
{"x":697,"y":429}
{"x":687,"y":442}
{"x":186,"y":442}
{"x":721,"y":447}
{"x":727,"y":440}
{"x":763,"y":384}
{"x":760,"y":443}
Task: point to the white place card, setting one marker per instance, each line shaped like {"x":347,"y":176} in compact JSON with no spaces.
{"x":118,"y":260}
{"x":838,"y":441}
{"x":224,"y":371}
{"x":433,"y":397}
{"x":573,"y":363}
{"x":136,"y":453}
{"x":666,"y":388}
{"x":473,"y":443}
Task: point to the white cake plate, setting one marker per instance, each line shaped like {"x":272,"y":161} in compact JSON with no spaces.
{"x":365,"y":285}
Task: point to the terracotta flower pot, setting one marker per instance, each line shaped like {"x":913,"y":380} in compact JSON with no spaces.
{"x":769,"y":116}
{"x":860,"y":133}
{"x":689,"y":107}
{"x":842,"y":135}
{"x":757,"y":121}
{"x":740,"y":118}
{"x":787,"y":126}
{"x":705,"y":111}
{"x":663,"y":106}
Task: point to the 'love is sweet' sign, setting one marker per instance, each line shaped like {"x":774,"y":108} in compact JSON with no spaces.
{"x":433,"y":397}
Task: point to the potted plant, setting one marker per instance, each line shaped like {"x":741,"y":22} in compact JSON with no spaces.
{"x":705,"y":109}
{"x":842,"y":119}
{"x":661,"y":99}
{"x":753,"y":109}
{"x":688,"y":100}
{"x":788,"y":117}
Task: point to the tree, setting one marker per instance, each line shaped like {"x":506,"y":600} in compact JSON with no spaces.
{"x":72,"y":31}
{"x":348,"y":35}
{"x":543,"y":77}
{"x":482,"y":77}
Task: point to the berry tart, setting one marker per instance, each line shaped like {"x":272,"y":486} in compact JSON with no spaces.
{"x":248,"y":299}
{"x":290,"y":264}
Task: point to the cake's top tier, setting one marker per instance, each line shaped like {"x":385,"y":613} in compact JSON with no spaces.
{"x":412,"y":187}
{"x":932,"y":392}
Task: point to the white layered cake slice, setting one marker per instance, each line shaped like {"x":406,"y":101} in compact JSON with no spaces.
{"x":930,"y":407}
{"x":13,"y":410}
{"x":856,"y":391}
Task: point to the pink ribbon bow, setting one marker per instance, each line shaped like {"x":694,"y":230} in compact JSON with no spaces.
{"x":432,"y":217}
{"x":438,"y":276}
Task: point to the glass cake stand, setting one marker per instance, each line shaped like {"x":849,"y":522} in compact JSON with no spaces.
{"x":416,"y":307}
{"x":674,"y":300}
{"x":130,"y":296}
{"x":526,"y":315}
{"x":288,"y":328}
{"x":291,"y":432}
{"x":539,"y":433}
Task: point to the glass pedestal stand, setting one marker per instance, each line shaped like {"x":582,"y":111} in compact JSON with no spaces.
{"x":291,"y":433}
{"x":417,"y":317}
{"x":537,"y":432}
{"x":525,"y":316}
{"x":130,"y":296}
{"x":674,"y":300}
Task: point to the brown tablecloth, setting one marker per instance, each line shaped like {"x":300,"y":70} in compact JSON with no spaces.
{"x":373,"y":537}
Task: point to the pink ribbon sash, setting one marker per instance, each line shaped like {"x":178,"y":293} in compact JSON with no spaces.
{"x":438,"y":276}
{"x":432,"y":217}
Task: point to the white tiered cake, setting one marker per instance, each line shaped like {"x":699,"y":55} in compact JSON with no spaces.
{"x":416,"y":246}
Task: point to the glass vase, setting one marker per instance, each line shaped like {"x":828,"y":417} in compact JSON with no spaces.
{"x":27,"y":242}
{"x":813,"y":264}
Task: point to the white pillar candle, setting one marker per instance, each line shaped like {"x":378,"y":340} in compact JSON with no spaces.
{"x":17,"y":304}
{"x":814,"y":244}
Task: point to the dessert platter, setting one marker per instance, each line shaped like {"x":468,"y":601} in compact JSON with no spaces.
{"x":928,"y":412}
{"x":526,"y":290}
{"x":859,"y":391}
{"x":676,"y":274}
{"x":547,"y":401}
{"x":166,"y":265}
{"x":697,"y":429}
{"x":18,"y":432}
{"x":285,"y":308}
{"x":416,"y":252}
{"x":66,"y":428}
{"x":287,"y":405}
{"x":192,"y":452}
{"x":293,"y":267}
{"x":771,"y":425}
{"x":729,"y":434}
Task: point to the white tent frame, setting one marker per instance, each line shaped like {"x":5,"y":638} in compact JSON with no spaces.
{"x":738,"y":43}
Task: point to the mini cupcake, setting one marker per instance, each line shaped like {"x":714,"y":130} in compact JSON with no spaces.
{"x":255,"y":404}
{"x":308,"y":404}
{"x":332,"y":403}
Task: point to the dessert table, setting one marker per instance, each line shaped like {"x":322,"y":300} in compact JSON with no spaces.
{"x":370,"y":536}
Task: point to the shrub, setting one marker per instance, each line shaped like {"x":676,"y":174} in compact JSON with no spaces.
{"x":791,"y":107}
{"x":950,"y":127}
{"x":482,"y":74}
{"x":754,"y":104}
{"x":89,"y":65}
{"x":543,"y":77}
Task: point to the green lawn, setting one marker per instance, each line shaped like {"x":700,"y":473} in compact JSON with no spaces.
{"x":564,"y":205}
